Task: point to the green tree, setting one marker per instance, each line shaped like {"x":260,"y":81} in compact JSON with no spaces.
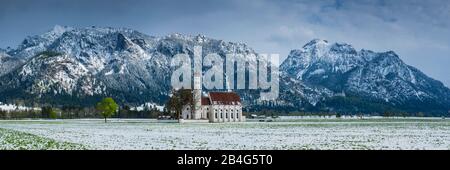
{"x":107,"y":107}
{"x":53,"y":114}
{"x":48,"y":112}
{"x":177,"y":100}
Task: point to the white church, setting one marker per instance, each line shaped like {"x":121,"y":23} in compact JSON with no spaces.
{"x":215,"y":107}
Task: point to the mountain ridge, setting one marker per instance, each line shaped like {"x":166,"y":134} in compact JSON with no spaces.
{"x":365,"y":73}
{"x":69,"y":65}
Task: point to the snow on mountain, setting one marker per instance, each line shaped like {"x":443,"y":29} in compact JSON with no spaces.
{"x":131,"y":66}
{"x":8,"y":63}
{"x":58,"y":70}
{"x":380,"y":76}
{"x":33,"y":45}
{"x":80,"y":65}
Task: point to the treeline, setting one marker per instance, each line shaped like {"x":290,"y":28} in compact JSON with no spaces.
{"x":72,"y":112}
{"x":352,"y":105}
{"x":33,"y":114}
{"x":126,"y":112}
{"x":272,"y":113}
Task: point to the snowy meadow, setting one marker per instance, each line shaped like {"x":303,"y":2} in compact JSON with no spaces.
{"x":284,"y":134}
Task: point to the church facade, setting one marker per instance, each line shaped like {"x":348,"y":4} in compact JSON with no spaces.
{"x":215,"y":107}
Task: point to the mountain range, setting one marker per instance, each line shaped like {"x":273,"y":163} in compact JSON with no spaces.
{"x":79,"y":66}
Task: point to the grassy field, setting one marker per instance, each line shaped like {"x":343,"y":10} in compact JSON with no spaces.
{"x":15,"y":140}
{"x":292,"y":133}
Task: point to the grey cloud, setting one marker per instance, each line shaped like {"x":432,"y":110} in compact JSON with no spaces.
{"x":418,"y":30}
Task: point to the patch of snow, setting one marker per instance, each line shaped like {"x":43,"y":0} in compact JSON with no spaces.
{"x":148,"y":106}
{"x":12,"y":107}
{"x":122,"y":68}
{"x":109,"y":72}
{"x":318,"y":71}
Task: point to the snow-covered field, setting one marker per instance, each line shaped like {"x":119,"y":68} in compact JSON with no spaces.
{"x":313,"y":133}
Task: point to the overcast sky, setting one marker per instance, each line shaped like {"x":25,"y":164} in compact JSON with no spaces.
{"x":417,"y":30}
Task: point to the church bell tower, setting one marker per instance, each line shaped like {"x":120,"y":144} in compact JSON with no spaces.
{"x":197,"y":95}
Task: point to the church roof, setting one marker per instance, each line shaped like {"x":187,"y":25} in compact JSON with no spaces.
{"x":205,"y":101}
{"x":224,"y":98}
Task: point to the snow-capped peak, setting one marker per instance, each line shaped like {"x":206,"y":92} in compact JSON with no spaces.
{"x":200,"y":38}
{"x":59,"y":30}
{"x":134,"y":68}
{"x":316,"y":42}
{"x":342,"y":48}
{"x":339,"y":67}
{"x":56,"y":32}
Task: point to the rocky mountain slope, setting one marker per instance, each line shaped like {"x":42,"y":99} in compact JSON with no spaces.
{"x":78,"y":66}
{"x":371,"y":77}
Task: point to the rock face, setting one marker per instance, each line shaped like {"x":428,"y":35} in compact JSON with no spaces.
{"x":68,"y":65}
{"x":8,"y":63}
{"x":353,"y":78}
{"x":78,"y":66}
